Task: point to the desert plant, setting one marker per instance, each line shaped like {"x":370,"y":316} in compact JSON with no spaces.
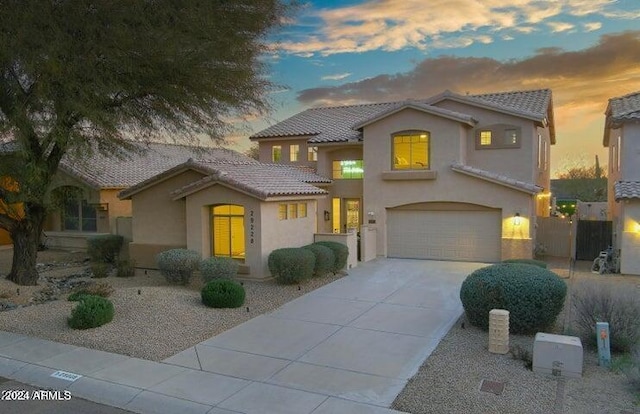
{"x":100,"y":270}
{"x":223,"y":293}
{"x":104,"y":248}
{"x":91,"y":312}
{"x":177,"y":265}
{"x":102,"y":289}
{"x":125,"y":268}
{"x":632,"y":368}
{"x":341,"y":251}
{"x":218,"y":267}
{"x":325,"y":259}
{"x":533,"y":296}
{"x":597,"y":301}
{"x":533,"y":262}
{"x":291,"y":265}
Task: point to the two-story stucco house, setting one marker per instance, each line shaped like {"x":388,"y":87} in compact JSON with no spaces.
{"x":451,"y":177}
{"x":622,"y":137}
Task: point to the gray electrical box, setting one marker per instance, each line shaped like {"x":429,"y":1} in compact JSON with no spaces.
{"x":558,"y":355}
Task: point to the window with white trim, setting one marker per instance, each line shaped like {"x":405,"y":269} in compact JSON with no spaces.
{"x":276,"y":153}
{"x":312,"y":153}
{"x":294,"y":152}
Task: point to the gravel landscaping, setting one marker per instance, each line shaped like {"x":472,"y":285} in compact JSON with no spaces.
{"x":449,"y":381}
{"x":152,"y":319}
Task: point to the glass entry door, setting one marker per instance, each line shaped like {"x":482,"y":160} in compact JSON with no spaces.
{"x":352,"y":214}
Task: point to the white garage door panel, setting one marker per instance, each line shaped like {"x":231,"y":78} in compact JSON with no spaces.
{"x":444,"y":235}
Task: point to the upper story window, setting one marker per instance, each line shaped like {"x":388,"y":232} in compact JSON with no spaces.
{"x":312,"y":153}
{"x":411,"y":151}
{"x":348,"y":170}
{"x":617,"y":152}
{"x":294,"y":152}
{"x":540,"y":152}
{"x":485,"y":138}
{"x":276,"y":153}
{"x":498,"y":136}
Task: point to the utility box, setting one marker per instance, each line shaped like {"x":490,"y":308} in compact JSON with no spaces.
{"x":558,"y":355}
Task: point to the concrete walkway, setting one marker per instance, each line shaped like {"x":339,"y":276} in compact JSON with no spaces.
{"x":348,"y":347}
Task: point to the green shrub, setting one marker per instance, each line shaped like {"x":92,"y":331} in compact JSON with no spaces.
{"x":125,"y":268}
{"x":341,"y":251}
{"x":95,"y":289}
{"x":325,"y":259}
{"x":291,"y":265}
{"x":218,"y":267}
{"x":598,"y":301}
{"x":100,"y":270}
{"x":533,"y":296}
{"x":223,"y":293}
{"x":533,"y":262}
{"x":177,"y":265}
{"x":91,"y":312}
{"x":104,"y":248}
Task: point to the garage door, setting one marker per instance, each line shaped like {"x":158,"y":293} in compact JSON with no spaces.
{"x":444,"y":235}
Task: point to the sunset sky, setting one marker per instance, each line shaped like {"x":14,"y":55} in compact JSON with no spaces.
{"x":358,"y":51}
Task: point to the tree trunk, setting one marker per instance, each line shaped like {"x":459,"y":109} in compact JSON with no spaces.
{"x":26,"y":236}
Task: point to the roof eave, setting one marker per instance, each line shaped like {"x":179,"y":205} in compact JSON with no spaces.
{"x":470,"y":122}
{"x":163,"y":176}
{"x":499,"y":182}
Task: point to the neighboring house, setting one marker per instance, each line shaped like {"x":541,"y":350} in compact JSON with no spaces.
{"x":453,"y":177}
{"x":87,"y":188}
{"x":242,"y":209}
{"x":622,"y":137}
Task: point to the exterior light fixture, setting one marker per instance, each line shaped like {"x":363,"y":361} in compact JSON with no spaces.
{"x":516,"y":219}
{"x":327,"y":216}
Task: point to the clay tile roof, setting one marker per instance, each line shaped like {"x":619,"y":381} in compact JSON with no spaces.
{"x":340,"y":123}
{"x":626,"y":189}
{"x":625,"y":108}
{"x":497,"y":178}
{"x":101,"y":171}
{"x":259,"y":179}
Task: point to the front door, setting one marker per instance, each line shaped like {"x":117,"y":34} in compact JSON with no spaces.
{"x":352,"y":214}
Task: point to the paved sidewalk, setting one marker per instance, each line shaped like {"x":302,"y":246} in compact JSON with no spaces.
{"x":348,"y":347}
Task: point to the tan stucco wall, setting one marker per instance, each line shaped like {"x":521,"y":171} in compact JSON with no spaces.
{"x":630,"y":238}
{"x":519,"y":163}
{"x":157,"y":219}
{"x":629,"y":152}
{"x":448,"y":186}
{"x":277,"y":234}
{"x":265,"y":151}
{"x":116,"y":207}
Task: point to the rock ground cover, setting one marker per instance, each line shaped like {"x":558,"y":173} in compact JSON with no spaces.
{"x":153,"y":320}
{"x":449,"y":380}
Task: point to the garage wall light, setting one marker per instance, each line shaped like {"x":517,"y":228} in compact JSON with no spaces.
{"x":516,"y":219}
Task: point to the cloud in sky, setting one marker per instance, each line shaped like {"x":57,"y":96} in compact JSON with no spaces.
{"x":391,"y":25}
{"x":592,"y":26}
{"x":337,"y":76}
{"x":582,"y":81}
{"x":558,"y":27}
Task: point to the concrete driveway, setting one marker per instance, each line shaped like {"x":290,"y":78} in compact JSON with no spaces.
{"x":348,"y":347}
{"x":357,"y":340}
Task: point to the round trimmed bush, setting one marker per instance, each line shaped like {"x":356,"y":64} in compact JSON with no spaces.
{"x":177,"y":265}
{"x":91,"y":312}
{"x":533,"y":262}
{"x":223,"y":293}
{"x":325,"y":259}
{"x":533,"y":296}
{"x":341,"y":251}
{"x":218,"y":267}
{"x":291,"y":265}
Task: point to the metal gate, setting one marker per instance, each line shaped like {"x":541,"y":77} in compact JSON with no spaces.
{"x":592,"y":237}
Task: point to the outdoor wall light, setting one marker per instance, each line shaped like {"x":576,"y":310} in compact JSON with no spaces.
{"x":516,"y":219}
{"x":327,"y":216}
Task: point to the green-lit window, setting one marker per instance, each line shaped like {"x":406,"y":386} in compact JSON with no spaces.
{"x":294,"y":152}
{"x":227,"y":226}
{"x":276,"y":153}
{"x":282,"y":211}
{"x":348,"y":170}
{"x":411,"y":151}
{"x":302,"y":210}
